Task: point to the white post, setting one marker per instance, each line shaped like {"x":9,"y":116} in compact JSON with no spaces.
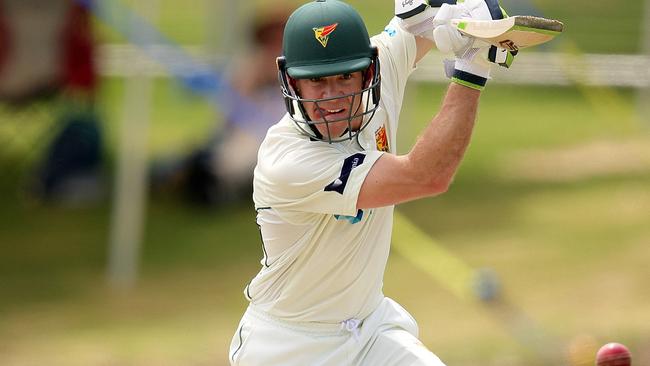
{"x":130,"y":195}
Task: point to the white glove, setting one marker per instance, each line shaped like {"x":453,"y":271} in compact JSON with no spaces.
{"x":416,"y":17}
{"x":474,"y":57}
{"x":490,"y":9}
{"x":448,"y":39}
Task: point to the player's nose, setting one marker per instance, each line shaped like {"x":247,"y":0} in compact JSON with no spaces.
{"x":331,"y":89}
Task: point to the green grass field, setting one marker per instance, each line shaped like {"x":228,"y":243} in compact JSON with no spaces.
{"x":553,"y":196}
{"x":571,"y":254}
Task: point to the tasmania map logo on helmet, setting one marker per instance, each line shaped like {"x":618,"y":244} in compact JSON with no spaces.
{"x":322,"y":34}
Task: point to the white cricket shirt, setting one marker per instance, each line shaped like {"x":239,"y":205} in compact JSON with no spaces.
{"x":324,"y":260}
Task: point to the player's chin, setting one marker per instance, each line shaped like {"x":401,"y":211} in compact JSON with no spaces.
{"x":332,"y":120}
{"x":333,"y":129}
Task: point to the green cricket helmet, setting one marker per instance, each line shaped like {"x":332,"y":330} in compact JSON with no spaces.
{"x":325,"y":38}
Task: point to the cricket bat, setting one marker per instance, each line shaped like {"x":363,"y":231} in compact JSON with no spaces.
{"x":512,"y":33}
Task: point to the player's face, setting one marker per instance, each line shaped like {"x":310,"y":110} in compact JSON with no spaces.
{"x":345,"y":104}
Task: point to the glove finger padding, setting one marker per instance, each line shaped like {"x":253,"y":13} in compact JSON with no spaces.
{"x":447,"y":38}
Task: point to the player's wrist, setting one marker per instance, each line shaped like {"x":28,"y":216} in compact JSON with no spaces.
{"x":470,"y":69}
{"x":469,"y":80}
{"x":473,"y":62}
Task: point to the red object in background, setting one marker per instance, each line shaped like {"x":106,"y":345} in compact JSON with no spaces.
{"x":78,"y":48}
{"x":613,"y":354}
{"x":4,"y":39}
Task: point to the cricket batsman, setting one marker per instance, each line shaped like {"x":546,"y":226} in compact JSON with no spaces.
{"x":328,"y":177}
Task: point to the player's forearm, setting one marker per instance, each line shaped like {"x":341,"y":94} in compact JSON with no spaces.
{"x":436,"y":155}
{"x":423,"y":46}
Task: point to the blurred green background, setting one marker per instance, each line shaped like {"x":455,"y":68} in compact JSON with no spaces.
{"x":553,"y":196}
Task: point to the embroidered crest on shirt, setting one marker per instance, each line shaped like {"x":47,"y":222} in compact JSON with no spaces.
{"x":382,"y":139}
{"x":322,"y":34}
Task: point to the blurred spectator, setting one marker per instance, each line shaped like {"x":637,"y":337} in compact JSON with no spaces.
{"x":70,"y":170}
{"x":222,"y":170}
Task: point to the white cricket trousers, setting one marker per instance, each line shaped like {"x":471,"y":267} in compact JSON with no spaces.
{"x":388,"y":336}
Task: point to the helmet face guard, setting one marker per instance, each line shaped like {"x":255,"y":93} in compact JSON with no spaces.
{"x":368,"y":97}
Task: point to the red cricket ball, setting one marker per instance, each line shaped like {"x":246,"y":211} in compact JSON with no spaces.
{"x":613,"y":354}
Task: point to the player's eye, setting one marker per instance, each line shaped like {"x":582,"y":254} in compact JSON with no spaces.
{"x":316,"y":80}
{"x":346,"y":76}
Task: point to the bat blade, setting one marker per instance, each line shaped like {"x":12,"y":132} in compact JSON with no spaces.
{"x":512,"y":33}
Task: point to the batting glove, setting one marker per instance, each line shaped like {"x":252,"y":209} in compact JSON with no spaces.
{"x":474,"y":58}
{"x":416,"y":17}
